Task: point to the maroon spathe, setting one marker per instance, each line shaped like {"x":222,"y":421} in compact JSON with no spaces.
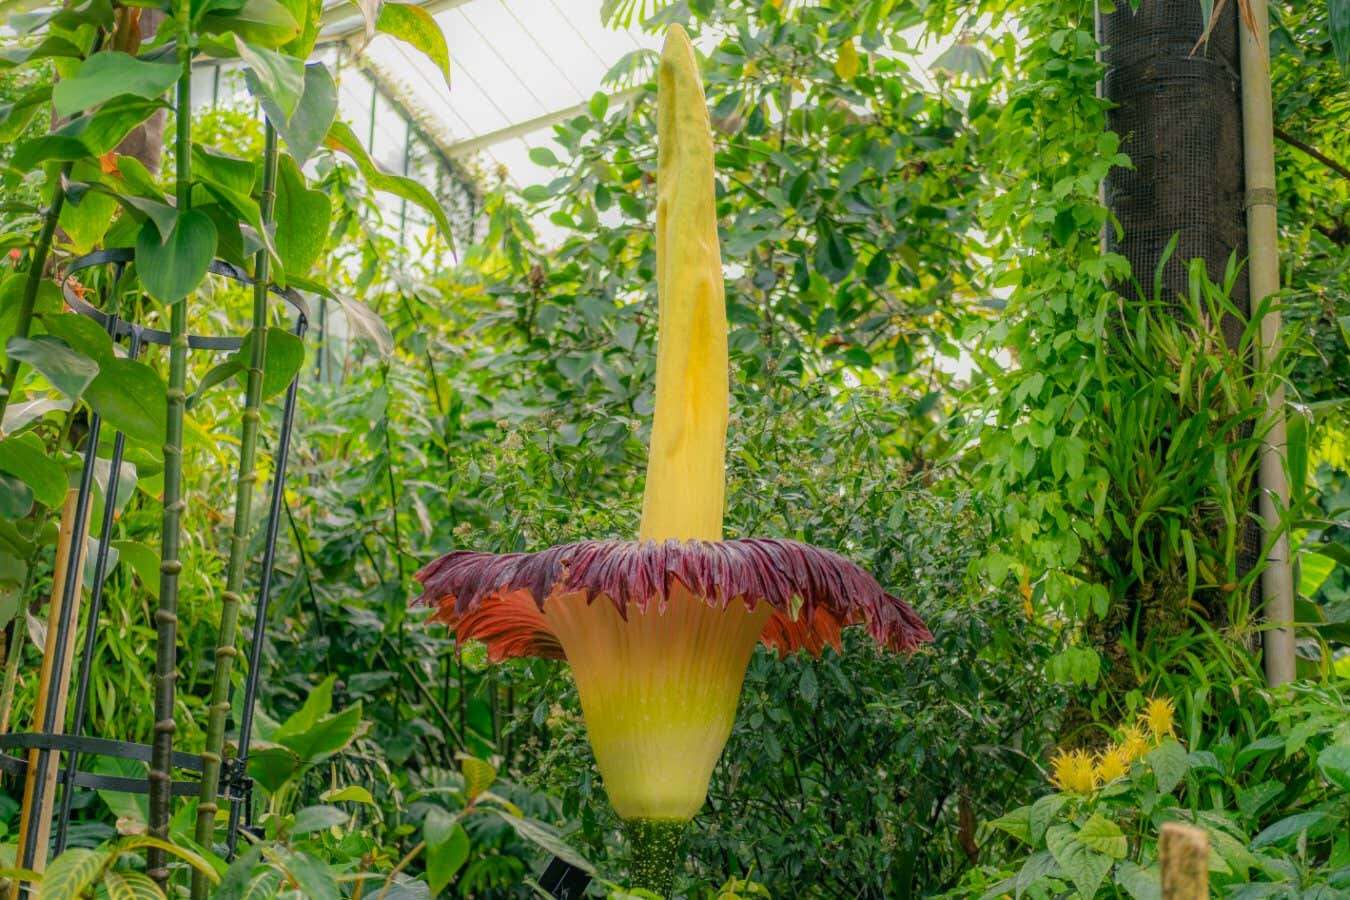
{"x":813,"y":592}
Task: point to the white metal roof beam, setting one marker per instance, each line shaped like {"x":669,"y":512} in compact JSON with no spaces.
{"x":520,"y":129}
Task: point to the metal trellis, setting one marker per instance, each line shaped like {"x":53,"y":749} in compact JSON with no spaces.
{"x":43,"y":747}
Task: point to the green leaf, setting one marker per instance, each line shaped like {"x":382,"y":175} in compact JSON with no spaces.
{"x":130,"y":886}
{"x":362,"y":320}
{"x":271,"y":766}
{"x":131,"y":397}
{"x":173,"y":268}
{"x":313,"y":116}
{"x":262,"y":23}
{"x":1101,"y":834}
{"x":71,"y":873}
{"x":210,"y":166}
{"x":1042,"y":813}
{"x":1169,"y":762}
{"x":1288,"y":827}
{"x":1084,"y":866}
{"x":479,"y":775}
{"x":14,"y":117}
{"x":447,"y":847}
{"x":352,"y":793}
{"x":25,"y":457}
{"x":283,"y":357}
{"x":1334,"y":762}
{"x":317,"y":818}
{"x":16,"y":502}
{"x":547,"y":839}
{"x":1016,"y":823}
{"x":1037,"y":866}
{"x":415,"y":26}
{"x":317,"y":705}
{"x":314,"y":879}
{"x":341,"y":138}
{"x":302,"y":219}
{"x":109,"y":74}
{"x":1138,"y":882}
{"x":279,"y":78}
{"x":68,"y":370}
{"x":144,"y":561}
{"x":81,"y":334}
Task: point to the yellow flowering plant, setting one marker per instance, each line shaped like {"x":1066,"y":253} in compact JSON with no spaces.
{"x":1096,"y":832}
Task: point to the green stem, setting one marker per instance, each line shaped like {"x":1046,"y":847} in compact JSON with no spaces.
{"x":226,"y":651}
{"x":655,"y":853}
{"x":36,"y":268}
{"x":166,"y":616}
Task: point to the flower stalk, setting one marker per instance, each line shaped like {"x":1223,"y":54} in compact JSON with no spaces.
{"x":245,"y":481}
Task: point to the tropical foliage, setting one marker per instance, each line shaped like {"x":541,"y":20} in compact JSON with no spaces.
{"x":937,"y":370}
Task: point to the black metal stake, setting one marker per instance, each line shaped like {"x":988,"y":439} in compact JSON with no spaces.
{"x":63,"y":627}
{"x":274,"y":513}
{"x":91,"y":627}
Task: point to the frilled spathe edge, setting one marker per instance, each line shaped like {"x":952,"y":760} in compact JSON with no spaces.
{"x":500,"y":599}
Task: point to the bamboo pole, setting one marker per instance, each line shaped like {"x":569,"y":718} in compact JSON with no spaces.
{"x":226,"y":651}
{"x":1184,"y":852}
{"x":53,"y":676}
{"x":1263,"y":267}
{"x":166,"y":615}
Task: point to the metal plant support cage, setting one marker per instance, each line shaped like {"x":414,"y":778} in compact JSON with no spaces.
{"x":46,"y":745}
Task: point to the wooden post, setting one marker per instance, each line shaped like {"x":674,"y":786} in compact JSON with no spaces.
{"x":1184,"y":850}
{"x":53,"y":676}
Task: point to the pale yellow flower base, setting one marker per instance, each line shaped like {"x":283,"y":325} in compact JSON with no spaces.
{"x":659,"y":694}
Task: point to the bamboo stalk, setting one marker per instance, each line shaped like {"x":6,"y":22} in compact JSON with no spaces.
{"x":166,"y":616}
{"x":1263,"y":268}
{"x":1184,"y":853}
{"x":53,"y":678}
{"x":226,"y":651}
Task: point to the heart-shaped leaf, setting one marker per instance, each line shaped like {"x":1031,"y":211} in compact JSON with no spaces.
{"x":173,"y":268}
{"x":109,"y":74}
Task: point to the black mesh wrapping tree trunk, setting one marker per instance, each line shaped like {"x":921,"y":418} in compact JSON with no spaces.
{"x":1178,"y":112}
{"x":1179,"y":117}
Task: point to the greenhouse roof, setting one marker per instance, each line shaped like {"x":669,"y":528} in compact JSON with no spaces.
{"x":516,"y":67}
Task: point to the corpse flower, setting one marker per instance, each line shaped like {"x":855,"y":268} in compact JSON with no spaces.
{"x":659,"y":631}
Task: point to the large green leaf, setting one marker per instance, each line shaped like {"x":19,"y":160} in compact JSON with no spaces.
{"x":447,"y":847}
{"x":317,"y":818}
{"x":25,"y":457}
{"x":67,"y":369}
{"x":1334,"y":762}
{"x":15,"y":116}
{"x":262,"y":23}
{"x":131,"y":397}
{"x":71,"y":873}
{"x":313,"y":877}
{"x":109,"y":74}
{"x":326,"y":736}
{"x":1291,"y":826}
{"x":284,"y":354}
{"x":144,"y":561}
{"x":272,"y":765}
{"x":173,"y":268}
{"x":304,"y":131}
{"x":81,"y":334}
{"x":1086,"y":867}
{"x":1101,"y":834}
{"x":130,"y":886}
{"x":547,"y":839}
{"x":1169,"y":762}
{"x":279,"y":78}
{"x":302,"y":219}
{"x":341,"y":138}
{"x":415,"y":26}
